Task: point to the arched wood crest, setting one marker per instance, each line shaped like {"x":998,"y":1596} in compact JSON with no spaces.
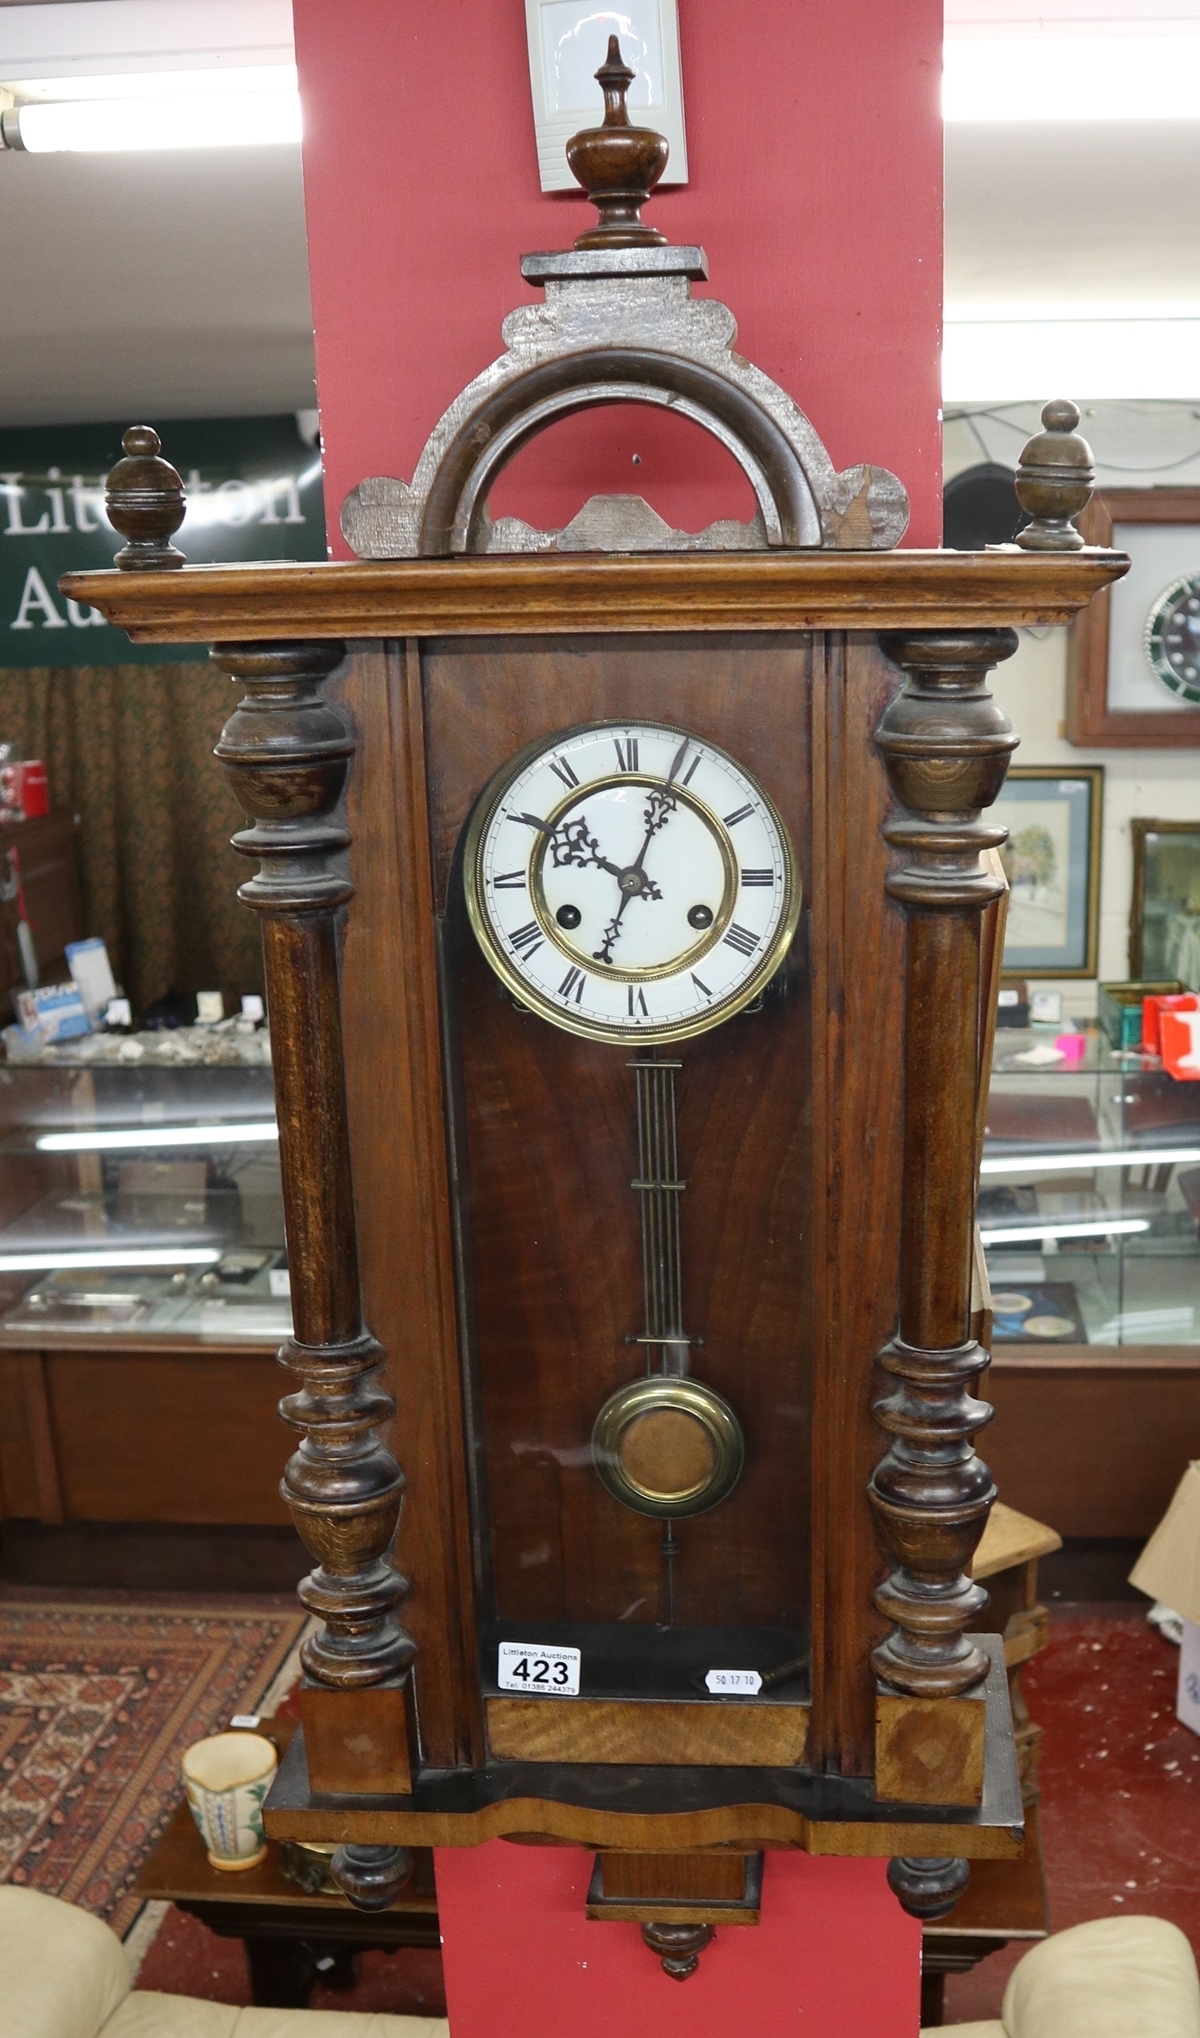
{"x":620,"y":325}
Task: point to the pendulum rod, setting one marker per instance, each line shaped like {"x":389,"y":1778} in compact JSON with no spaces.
{"x":659,"y":1186}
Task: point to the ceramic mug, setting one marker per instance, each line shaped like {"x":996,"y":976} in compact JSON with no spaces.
{"x":226,"y":1778}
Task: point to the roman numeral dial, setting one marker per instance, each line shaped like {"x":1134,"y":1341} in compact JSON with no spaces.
{"x":630,"y":881}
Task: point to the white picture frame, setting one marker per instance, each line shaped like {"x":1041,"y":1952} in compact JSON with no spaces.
{"x":568,"y":41}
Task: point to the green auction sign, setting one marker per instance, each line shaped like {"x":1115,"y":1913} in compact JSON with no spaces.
{"x":254,"y":493}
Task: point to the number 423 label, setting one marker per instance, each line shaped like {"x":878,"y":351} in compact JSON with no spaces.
{"x":538,"y":1669}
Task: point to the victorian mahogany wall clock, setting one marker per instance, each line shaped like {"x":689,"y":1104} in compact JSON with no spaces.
{"x":627,"y":1067}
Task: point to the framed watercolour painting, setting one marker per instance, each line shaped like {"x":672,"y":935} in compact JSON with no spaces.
{"x":1164,"y":919}
{"x":1133,"y":673}
{"x":1052,"y":862}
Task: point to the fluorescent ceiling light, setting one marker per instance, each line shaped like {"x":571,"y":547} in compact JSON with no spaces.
{"x":1098,"y":1227}
{"x":1016,"y":352}
{"x":239,"y":79}
{"x":1071,"y":78}
{"x":1046,"y":1163}
{"x":136,"y":1137}
{"x":143,"y":1256}
{"x":202,"y":109}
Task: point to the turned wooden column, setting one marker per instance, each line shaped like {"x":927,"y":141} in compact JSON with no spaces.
{"x":287,"y":752}
{"x":947,"y":746}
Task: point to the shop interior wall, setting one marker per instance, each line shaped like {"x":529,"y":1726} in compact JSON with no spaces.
{"x":1137,"y":445}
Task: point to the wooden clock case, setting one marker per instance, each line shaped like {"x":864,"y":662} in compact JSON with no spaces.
{"x":458,"y":1173}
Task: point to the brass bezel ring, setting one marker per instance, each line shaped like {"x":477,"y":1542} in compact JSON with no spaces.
{"x":704,"y":942}
{"x":614,"y":1034}
{"x":686,"y":1397}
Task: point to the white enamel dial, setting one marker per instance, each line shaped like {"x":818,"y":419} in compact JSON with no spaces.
{"x":630,"y":881}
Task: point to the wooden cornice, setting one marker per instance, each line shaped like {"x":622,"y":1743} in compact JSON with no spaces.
{"x":583,"y":593}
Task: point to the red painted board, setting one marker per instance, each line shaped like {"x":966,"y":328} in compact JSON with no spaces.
{"x":834,"y":1955}
{"x":815,"y":154}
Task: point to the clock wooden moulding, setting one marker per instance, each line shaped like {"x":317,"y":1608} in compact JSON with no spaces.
{"x":457,"y":1173}
{"x":1090,"y":720}
{"x":367,"y":748}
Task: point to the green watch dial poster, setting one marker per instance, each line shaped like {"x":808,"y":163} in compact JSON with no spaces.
{"x":254,"y":493}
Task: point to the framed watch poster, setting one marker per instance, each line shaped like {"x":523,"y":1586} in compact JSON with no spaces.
{"x":1133,"y":674}
{"x":1052,"y":862}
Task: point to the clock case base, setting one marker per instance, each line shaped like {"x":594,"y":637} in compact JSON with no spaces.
{"x":673,"y":1810}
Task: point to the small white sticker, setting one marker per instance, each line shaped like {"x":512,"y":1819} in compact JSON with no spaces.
{"x":538,"y":1669}
{"x":730,"y":1683}
{"x":280,"y":1281}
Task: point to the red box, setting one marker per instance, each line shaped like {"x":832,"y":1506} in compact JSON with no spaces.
{"x":1152,"y":1010}
{"x":35,"y":789}
{"x":1180,"y":1042}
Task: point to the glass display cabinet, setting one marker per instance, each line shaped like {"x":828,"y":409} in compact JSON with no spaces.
{"x":144,"y":1287}
{"x":1089,"y":1200}
{"x":139,"y":1190}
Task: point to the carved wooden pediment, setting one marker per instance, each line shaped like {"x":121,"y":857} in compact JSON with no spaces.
{"x":620,"y":325}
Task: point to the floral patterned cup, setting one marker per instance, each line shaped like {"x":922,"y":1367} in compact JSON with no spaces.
{"x":226,"y":1778}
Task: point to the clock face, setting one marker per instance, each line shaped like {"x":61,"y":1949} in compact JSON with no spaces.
{"x":630,"y":881}
{"x":1173,"y":638}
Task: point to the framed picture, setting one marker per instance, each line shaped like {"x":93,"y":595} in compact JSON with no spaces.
{"x":1133,"y":675}
{"x":1164,"y":919}
{"x":568,"y":41}
{"x":1052,"y":862}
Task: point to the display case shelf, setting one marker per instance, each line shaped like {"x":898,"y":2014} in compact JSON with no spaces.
{"x":1089,"y":1203}
{"x":139,"y":1191}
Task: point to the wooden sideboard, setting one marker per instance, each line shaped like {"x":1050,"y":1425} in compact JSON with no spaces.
{"x":141,"y":1433}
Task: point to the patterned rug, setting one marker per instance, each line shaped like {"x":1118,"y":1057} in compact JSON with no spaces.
{"x":97,"y":1704}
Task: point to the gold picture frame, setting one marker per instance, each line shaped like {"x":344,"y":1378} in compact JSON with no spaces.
{"x":1054,"y":814}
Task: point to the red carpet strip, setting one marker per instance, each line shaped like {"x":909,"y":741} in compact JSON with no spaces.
{"x":1120,"y":1789}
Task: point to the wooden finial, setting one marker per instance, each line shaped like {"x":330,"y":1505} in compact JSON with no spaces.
{"x":618,"y":164}
{"x":145,"y":501}
{"x":1055,"y":481}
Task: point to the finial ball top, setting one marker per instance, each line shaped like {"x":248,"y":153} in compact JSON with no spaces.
{"x":1060,"y":415}
{"x":140,"y":440}
{"x":1054,"y":481}
{"x":144,"y":500}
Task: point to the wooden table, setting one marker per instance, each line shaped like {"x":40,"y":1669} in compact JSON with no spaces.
{"x":1004,"y":1900}
{"x":292,"y":1938}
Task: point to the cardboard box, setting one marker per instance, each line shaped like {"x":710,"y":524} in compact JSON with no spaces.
{"x":53,"y":1012}
{"x":1187,"y":1703}
{"x":1169,"y":1570}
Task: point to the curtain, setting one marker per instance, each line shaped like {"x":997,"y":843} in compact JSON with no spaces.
{"x":129,"y":748}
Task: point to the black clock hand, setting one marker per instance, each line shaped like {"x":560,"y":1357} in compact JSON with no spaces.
{"x":571,"y":843}
{"x":633,"y":881}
